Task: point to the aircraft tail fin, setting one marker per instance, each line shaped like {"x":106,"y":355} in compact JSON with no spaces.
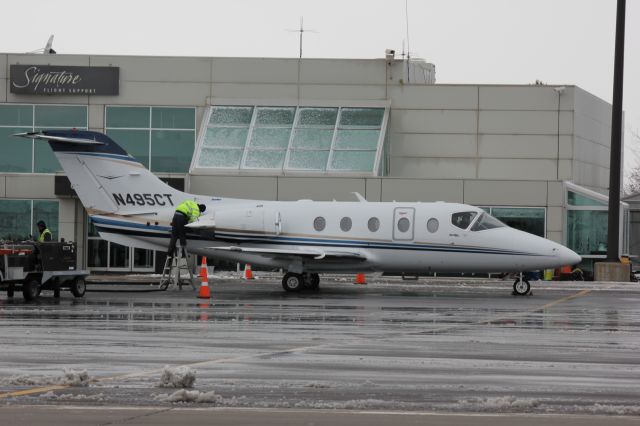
{"x":106,"y":178}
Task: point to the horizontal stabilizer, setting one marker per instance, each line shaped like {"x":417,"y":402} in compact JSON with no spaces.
{"x":64,"y":139}
{"x":306,"y":253}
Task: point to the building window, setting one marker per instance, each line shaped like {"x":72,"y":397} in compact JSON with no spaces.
{"x":31,"y":156}
{"x":18,"y":218}
{"x":527,"y":219}
{"x":161,"y":138}
{"x":587,"y":231}
{"x":288,"y":138}
{"x":108,"y":256}
{"x":373,"y":224}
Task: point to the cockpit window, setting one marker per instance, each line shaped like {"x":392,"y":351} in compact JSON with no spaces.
{"x":486,"y":221}
{"x":463,"y":219}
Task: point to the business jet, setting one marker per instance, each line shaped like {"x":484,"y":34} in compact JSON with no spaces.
{"x":129,"y":205}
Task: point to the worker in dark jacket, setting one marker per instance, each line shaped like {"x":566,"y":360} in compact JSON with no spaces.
{"x":45,"y":233}
{"x":186,"y":212}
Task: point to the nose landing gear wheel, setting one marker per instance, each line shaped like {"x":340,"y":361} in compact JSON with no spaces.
{"x":521,"y":287}
{"x":292,"y":281}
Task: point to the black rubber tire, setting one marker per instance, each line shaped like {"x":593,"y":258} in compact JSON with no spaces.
{"x":315,"y":281}
{"x":292,"y":282}
{"x":78,"y":287}
{"x":30,"y":288}
{"x":521,"y":288}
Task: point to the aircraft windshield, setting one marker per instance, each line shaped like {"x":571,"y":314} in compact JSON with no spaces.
{"x":463,"y":219}
{"x":486,"y":221}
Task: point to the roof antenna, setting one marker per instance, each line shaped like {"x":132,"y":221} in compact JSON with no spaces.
{"x":301,"y":31}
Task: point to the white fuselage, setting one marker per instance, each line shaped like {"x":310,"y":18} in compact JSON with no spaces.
{"x":409,"y":248}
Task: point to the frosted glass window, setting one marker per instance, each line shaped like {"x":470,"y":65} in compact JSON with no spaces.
{"x":270,"y":137}
{"x":353,"y":160}
{"x":312,"y":139}
{"x":218,"y":157}
{"x":344,"y":139}
{"x":265,"y":159}
{"x":226,"y":136}
{"x":318,"y":116}
{"x":308,"y":160}
{"x":231,"y":115}
{"x":369,"y":117}
{"x":275,"y":116}
{"x":357,"y":139}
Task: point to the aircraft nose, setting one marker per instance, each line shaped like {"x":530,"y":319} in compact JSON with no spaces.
{"x":568,"y":256}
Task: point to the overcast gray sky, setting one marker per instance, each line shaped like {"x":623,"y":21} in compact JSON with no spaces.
{"x":469,"y":41}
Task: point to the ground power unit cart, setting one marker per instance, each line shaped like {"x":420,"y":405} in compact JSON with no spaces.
{"x":31,"y":267}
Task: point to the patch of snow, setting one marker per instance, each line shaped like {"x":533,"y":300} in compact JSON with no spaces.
{"x":317,"y":385}
{"x":500,"y":404}
{"x":177,"y":377}
{"x":184,"y":395}
{"x":69,"y":377}
{"x":74,"y":397}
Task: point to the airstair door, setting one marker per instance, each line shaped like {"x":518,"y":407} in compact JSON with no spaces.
{"x":403,"y":218}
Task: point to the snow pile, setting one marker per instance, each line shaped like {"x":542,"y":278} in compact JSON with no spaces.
{"x":184,"y":395}
{"x":73,"y":397}
{"x":75,"y":378}
{"x":177,"y":377}
{"x":500,"y":403}
{"x":69,"y":377}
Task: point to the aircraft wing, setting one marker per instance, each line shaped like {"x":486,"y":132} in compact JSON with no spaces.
{"x":316,"y":254}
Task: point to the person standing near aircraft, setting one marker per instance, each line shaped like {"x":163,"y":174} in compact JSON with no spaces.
{"x":45,"y":233}
{"x":186,"y":212}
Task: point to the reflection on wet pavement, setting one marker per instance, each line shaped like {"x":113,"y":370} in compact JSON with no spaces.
{"x":433,"y":345}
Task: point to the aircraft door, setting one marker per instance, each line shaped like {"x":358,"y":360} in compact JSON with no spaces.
{"x":272,"y":222}
{"x":403,"y":218}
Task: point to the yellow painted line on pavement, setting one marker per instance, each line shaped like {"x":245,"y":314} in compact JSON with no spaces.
{"x":43,"y":389}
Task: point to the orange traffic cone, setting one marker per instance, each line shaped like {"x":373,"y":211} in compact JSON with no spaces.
{"x":248,"y":273}
{"x":360,"y":279}
{"x":204,"y":292}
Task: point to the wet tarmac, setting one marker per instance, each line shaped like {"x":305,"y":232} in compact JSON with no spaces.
{"x":436,"y":345}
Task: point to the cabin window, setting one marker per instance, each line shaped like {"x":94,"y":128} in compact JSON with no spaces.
{"x":433,"y":225}
{"x":345,"y":224}
{"x":373,"y":224}
{"x":404,"y":224}
{"x":487,"y":221}
{"x":319,"y":223}
{"x":463,"y":219}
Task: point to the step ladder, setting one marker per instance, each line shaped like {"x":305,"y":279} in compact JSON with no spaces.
{"x":172,"y":273}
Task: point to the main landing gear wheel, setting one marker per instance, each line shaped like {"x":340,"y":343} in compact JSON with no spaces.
{"x":315,"y":281}
{"x":521,"y":287}
{"x":311,"y":281}
{"x":292,"y":281}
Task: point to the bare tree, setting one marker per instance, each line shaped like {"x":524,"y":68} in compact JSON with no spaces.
{"x":632,"y":181}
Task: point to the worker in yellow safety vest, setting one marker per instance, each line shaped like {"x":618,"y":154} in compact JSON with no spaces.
{"x":187,"y":211}
{"x":45,"y":234}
